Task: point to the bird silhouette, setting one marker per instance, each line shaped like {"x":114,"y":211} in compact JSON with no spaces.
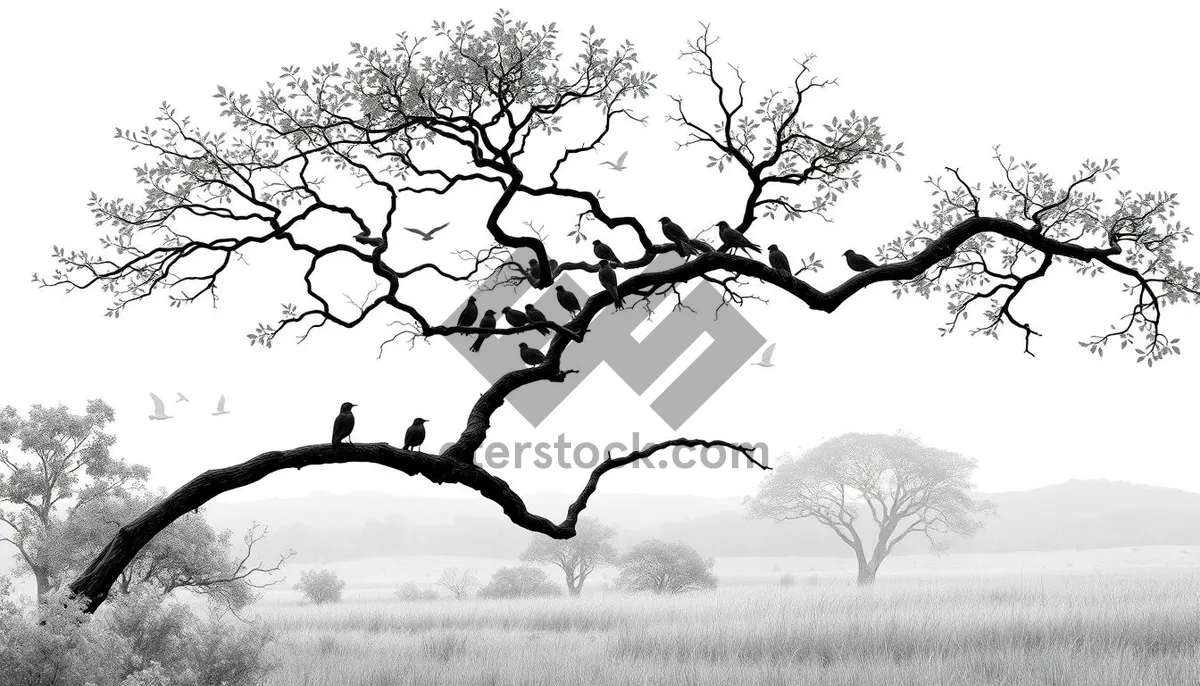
{"x":857,"y":262}
{"x":182,"y":398}
{"x":415,"y":436}
{"x":735,"y":240}
{"x":604,"y":252}
{"x":467,"y":317}
{"x":766,"y":357}
{"x":535,"y":315}
{"x":221,"y":407}
{"x":619,"y":165}
{"x":675,"y":233}
{"x":778,"y":260}
{"x":159,"y":409}
{"x":515,"y":318}
{"x":373,"y":241}
{"x":608,"y":279}
{"x":343,"y":424}
{"x":699,"y":245}
{"x":567,"y":299}
{"x":427,"y":235}
{"x":533,"y":273}
{"x":531,"y":356}
{"x":488,"y":322}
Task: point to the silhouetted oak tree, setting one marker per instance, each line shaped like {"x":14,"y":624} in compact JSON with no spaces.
{"x":907,"y":488}
{"x":505,"y":111}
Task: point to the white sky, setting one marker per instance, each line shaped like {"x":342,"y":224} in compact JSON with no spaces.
{"x":1048,"y":82}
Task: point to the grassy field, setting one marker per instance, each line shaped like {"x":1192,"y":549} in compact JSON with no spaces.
{"x":1046,"y":619}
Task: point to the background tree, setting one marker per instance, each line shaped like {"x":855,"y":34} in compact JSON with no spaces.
{"x":410,"y":592}
{"x":525,"y":581}
{"x":459,"y":581}
{"x":908,"y":488}
{"x":321,"y":586}
{"x":502,"y":110}
{"x":665,"y":568}
{"x":189,"y":554}
{"x":578,"y":556}
{"x":63,"y":463}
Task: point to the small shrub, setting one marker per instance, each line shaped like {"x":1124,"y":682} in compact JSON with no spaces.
{"x":788,"y":579}
{"x":321,"y":586}
{"x":411,"y":593}
{"x":520,"y":582}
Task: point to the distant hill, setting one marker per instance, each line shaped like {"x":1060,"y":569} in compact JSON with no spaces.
{"x":1077,"y":514}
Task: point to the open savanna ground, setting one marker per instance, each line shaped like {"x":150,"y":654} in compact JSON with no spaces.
{"x":1135,"y":620}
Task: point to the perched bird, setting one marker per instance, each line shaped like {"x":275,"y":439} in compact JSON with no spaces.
{"x":531,"y":356}
{"x":343,"y":424}
{"x":778,"y":260}
{"x":699,"y":245}
{"x":533,"y":273}
{"x":221,"y":407}
{"x":373,"y":241}
{"x":467,"y":317}
{"x":415,"y":436}
{"x":608,"y":279}
{"x":734,"y":240}
{"x":535,"y":315}
{"x":619,"y":165}
{"x":488,"y":322}
{"x":427,"y":235}
{"x":515,"y":318}
{"x":766,"y":357}
{"x":675,"y":233}
{"x":568,"y":300}
{"x":182,"y":398}
{"x":159,"y":409}
{"x":604,"y":252}
{"x":857,"y":262}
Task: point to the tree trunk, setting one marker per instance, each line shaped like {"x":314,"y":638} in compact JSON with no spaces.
{"x":866,"y":571}
{"x":42,"y":576}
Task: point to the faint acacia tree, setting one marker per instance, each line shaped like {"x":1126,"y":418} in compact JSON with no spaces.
{"x":500,"y":119}
{"x":525,"y":581}
{"x":321,"y":586}
{"x":578,"y":556}
{"x":665,"y":568}
{"x":63,"y":463}
{"x":907,"y":488}
{"x":459,"y":581}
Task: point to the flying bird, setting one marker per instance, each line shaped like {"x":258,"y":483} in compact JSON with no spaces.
{"x":608,"y":279}
{"x":604,"y":252}
{"x":619,"y":165}
{"x":343,"y":424}
{"x":778,"y":260}
{"x":535,"y":315}
{"x":415,"y":436}
{"x":766,"y":357}
{"x":427,"y":235}
{"x":675,"y":233}
{"x":515,"y":318}
{"x":221,"y":407}
{"x":159,"y":409}
{"x":567,"y":299}
{"x":735,"y":240}
{"x":488,"y":322}
{"x":467,"y":317}
{"x":182,"y":397}
{"x":531,"y":356}
{"x":857,"y":262}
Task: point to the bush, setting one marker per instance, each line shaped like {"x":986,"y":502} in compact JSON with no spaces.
{"x":520,"y":582}
{"x":788,"y":579}
{"x":134,"y":640}
{"x":321,"y":586}
{"x":411,"y":592}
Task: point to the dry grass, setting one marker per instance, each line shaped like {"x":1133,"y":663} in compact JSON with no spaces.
{"x":1130,"y":627}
